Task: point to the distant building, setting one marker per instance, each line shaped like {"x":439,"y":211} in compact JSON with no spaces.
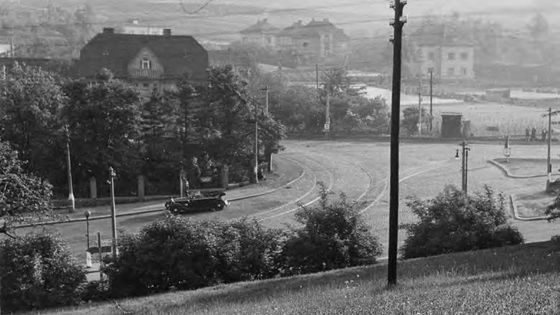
{"x":311,"y":41}
{"x":147,"y":61}
{"x":444,"y":52}
{"x":135,"y":28}
{"x":262,"y":33}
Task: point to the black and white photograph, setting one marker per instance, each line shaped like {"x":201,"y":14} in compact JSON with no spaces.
{"x":279,"y":157}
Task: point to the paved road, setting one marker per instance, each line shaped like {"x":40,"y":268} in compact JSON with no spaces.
{"x":359,"y":169}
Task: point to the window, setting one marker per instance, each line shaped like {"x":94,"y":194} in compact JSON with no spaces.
{"x":145,"y":63}
{"x":431,"y":55}
{"x":146,"y":85}
{"x":305,"y":44}
{"x":451,"y":56}
{"x":465,"y":56}
{"x":450,"y":71}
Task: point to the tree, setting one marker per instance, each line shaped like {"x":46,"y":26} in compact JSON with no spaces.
{"x":298,"y":109}
{"x":411,"y":119}
{"x":31,"y":105}
{"x":160,"y":148}
{"x":103,"y":119}
{"x":21,"y":194}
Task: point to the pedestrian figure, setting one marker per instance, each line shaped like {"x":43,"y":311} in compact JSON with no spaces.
{"x":543,"y":135}
{"x":534,"y":134}
{"x":527,"y":134}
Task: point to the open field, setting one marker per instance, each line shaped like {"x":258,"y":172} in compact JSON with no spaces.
{"x":512,"y":280}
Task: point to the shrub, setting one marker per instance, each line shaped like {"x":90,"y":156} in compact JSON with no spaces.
{"x":38,"y":272}
{"x":173,"y":252}
{"x":248,"y":251}
{"x":333,"y":235}
{"x":453,"y":222}
{"x":176,"y":252}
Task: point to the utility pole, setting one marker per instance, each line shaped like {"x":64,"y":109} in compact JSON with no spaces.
{"x":112,"y":175}
{"x":327,"y":111}
{"x":398,"y":25}
{"x":68,"y":162}
{"x":431,"y":97}
{"x":317,"y":77}
{"x":465,"y":166}
{"x":548,"y":165}
{"x":266,"y":100}
{"x":256,"y":149}
{"x":420,"y":105}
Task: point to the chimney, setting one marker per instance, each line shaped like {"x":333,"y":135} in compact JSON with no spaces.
{"x":108,"y":30}
{"x":166,"y":32}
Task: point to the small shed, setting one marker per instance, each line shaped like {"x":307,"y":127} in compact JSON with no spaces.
{"x":451,"y":125}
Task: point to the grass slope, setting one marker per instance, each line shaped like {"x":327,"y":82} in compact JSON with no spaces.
{"x":512,"y":280}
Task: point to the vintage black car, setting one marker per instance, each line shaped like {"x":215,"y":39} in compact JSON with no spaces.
{"x":197,"y":203}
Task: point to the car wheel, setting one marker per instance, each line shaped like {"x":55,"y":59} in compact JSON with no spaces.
{"x":220,"y":206}
{"x":174,"y":210}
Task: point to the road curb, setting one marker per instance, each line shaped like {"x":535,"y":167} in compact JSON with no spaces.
{"x":508,"y":174}
{"x":301,"y":174}
{"x":516,"y":216}
{"x":132,"y":213}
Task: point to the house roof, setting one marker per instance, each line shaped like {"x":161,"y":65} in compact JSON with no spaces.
{"x":313,"y":29}
{"x":440,"y":35}
{"x":261,"y":27}
{"x":178,"y":54}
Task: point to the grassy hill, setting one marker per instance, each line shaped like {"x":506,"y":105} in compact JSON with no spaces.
{"x":513,"y":280}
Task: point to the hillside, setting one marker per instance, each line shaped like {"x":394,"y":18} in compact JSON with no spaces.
{"x":222,"y":19}
{"x":512,"y":280}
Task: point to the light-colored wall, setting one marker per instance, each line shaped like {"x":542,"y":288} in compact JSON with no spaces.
{"x":463,"y":68}
{"x":135,"y":70}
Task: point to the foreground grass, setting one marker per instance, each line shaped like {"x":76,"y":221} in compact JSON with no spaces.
{"x":513,"y":280}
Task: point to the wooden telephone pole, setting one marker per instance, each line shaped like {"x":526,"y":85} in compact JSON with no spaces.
{"x":398,"y":25}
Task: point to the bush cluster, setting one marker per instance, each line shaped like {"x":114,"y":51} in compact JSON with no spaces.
{"x":332,"y":236}
{"x":38,"y":272}
{"x":177,"y":253}
{"x":454,"y":222}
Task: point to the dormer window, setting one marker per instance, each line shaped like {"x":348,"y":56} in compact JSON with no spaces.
{"x":145,"y":63}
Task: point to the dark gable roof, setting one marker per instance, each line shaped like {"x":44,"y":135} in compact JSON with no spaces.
{"x":178,"y":54}
{"x":261,"y":27}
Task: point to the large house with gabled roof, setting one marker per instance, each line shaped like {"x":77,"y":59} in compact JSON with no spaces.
{"x":147,"y":61}
{"x":316,"y":40}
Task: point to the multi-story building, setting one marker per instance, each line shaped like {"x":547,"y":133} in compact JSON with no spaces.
{"x":314,"y":40}
{"x":262,"y":34}
{"x":449,"y":56}
{"x":147,"y":61}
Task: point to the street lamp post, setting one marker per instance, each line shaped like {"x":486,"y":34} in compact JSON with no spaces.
{"x":87,"y":214}
{"x":464,"y":164}
{"x":112,"y":175}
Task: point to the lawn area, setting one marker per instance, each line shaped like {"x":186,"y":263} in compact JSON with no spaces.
{"x":529,"y":167}
{"x":534,"y":204}
{"x":511,"y":280}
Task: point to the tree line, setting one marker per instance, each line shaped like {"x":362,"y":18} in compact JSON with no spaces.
{"x":107,"y":123}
